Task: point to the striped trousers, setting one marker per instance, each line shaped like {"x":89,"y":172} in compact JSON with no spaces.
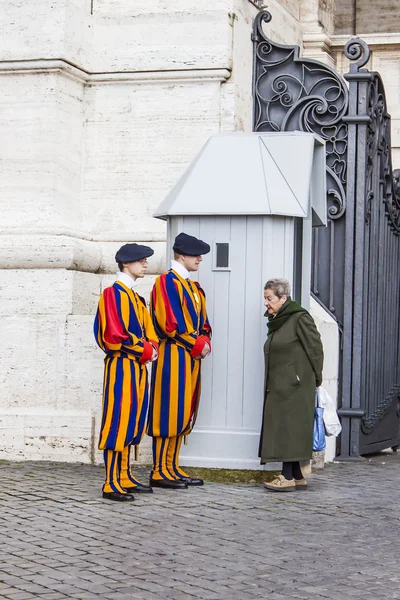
{"x":166,"y":458}
{"x":118,"y":471}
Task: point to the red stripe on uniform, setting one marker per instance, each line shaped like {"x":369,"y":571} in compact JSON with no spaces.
{"x":115,"y":331}
{"x":147,"y":352}
{"x":170,"y":320}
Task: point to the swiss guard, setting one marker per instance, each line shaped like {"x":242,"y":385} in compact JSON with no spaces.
{"x":124,"y":331}
{"x":178,"y":310}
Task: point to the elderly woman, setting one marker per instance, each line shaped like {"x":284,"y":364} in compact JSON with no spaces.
{"x":293,"y":369}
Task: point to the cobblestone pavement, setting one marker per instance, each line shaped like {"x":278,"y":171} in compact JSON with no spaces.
{"x":338,"y":540}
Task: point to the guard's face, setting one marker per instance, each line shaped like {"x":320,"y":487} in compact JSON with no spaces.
{"x":191,"y":263}
{"x":272,"y":303}
{"x":137,"y":269}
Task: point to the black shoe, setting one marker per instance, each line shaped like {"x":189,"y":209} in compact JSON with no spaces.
{"x":192,"y":481}
{"x":118,"y":497}
{"x":140,"y":489}
{"x":169,"y":484}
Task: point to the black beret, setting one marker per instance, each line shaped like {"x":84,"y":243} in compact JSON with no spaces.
{"x":133,"y":252}
{"x":189,"y":245}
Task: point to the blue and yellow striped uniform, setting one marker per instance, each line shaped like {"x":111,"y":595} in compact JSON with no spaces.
{"x":178,"y":310}
{"x":124,"y":331}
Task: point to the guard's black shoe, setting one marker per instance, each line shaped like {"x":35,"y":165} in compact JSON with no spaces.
{"x":140,"y":489}
{"x":192,"y":481}
{"x":169,"y":484}
{"x":117,"y":497}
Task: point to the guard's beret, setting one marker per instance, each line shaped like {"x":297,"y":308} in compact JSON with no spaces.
{"x":133,"y":252}
{"x":189,"y":245}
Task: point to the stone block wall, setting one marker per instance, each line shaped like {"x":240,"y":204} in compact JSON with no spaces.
{"x":362,"y":17}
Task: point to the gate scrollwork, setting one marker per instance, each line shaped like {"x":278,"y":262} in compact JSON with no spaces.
{"x":291,"y":93}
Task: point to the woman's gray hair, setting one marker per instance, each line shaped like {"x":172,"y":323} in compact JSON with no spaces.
{"x":280,"y":287}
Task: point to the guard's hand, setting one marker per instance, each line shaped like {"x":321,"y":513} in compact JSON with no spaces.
{"x":154,"y":356}
{"x":206,"y":351}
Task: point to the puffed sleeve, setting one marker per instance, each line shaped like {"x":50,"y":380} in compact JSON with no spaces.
{"x":111,"y":327}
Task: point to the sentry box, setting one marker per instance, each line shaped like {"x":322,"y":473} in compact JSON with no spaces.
{"x":254,"y":197}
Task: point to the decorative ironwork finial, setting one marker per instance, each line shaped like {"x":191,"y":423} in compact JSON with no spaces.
{"x":263,"y":17}
{"x":357,"y":49}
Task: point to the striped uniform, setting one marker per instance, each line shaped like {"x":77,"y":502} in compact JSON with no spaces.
{"x":124,"y":331}
{"x":178,"y":310}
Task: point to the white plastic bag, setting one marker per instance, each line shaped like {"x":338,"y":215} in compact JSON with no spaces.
{"x":331,"y":420}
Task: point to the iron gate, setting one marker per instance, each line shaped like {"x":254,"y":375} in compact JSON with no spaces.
{"x":356,"y":266}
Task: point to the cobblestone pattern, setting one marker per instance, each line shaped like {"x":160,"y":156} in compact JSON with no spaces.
{"x":338,"y":540}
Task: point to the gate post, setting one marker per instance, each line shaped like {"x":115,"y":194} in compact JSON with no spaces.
{"x":351,"y":411}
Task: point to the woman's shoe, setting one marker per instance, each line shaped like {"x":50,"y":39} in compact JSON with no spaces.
{"x":281,"y":484}
{"x":301,"y":484}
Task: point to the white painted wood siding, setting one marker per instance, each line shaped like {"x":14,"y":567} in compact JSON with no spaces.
{"x":227,"y":430}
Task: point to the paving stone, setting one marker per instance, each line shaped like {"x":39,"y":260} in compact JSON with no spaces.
{"x":15,"y":595}
{"x":53,"y":596}
{"x":219,"y":542}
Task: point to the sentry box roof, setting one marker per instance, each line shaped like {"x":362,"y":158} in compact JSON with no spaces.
{"x":281,"y":173}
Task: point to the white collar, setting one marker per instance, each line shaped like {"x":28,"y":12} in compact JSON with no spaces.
{"x":126,"y":280}
{"x":180,"y":269}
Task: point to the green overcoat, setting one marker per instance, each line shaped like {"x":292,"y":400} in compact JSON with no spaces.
{"x":293,"y":369}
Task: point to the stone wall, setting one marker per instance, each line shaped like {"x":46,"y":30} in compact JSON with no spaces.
{"x":362,"y":17}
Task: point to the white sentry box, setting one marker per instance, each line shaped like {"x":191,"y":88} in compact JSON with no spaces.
{"x":254,"y":197}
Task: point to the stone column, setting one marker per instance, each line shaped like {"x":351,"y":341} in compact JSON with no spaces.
{"x":316,"y":17}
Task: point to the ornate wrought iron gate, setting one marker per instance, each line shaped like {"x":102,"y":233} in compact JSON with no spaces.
{"x":356,"y":259}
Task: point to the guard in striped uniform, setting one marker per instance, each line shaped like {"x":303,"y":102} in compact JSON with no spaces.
{"x":178,"y":310}
{"x":124,"y":331}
